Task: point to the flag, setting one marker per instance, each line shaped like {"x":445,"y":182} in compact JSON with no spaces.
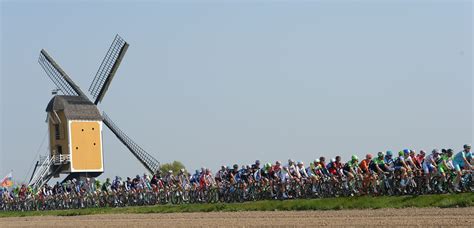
{"x":7,"y":181}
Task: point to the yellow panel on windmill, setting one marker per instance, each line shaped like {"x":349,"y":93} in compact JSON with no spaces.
{"x":86,"y":146}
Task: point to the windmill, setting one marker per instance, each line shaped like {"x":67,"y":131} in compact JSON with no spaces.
{"x":75,"y":123}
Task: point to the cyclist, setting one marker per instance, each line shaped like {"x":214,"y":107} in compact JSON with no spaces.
{"x":301,"y":170}
{"x":400,"y":166}
{"x":195,"y":179}
{"x":137,"y":183}
{"x":233,"y":174}
{"x":256,"y":166}
{"x":351,"y":170}
{"x":420,"y":158}
{"x":284,"y":177}
{"x":221,"y":174}
{"x":292,"y":170}
{"x":116,"y":183}
{"x":462,"y":160}
{"x":377,"y":165}
{"x":322,"y":164}
{"x":445,"y":165}
{"x":430,"y":166}
{"x":389,"y":160}
{"x":416,"y":164}
{"x":314,"y":169}
{"x":365,"y":170}
{"x":106,"y":186}
{"x":364,"y":164}
{"x":335,"y":169}
{"x":145,"y":181}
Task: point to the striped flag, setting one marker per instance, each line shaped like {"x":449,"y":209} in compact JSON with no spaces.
{"x":7,"y":181}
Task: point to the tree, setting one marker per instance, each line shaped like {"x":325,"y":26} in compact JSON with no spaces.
{"x":175,"y":167}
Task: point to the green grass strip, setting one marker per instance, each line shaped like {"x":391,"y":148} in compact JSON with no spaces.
{"x":363,"y":202}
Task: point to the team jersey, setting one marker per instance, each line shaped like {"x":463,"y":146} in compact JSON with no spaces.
{"x":399,"y":161}
{"x":444,"y":159}
{"x":351,"y":165}
{"x":420,"y":159}
{"x":459,"y":157}
{"x":376,"y":162}
{"x":302,"y":172}
{"x":364,"y":165}
{"x":429,"y":158}
{"x":389,"y":161}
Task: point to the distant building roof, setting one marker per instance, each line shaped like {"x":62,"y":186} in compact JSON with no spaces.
{"x":74,"y":107}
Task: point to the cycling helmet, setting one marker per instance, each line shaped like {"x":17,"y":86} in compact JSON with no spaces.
{"x":368,"y":156}
{"x":236,"y":166}
{"x":435,"y":151}
{"x":422,"y":152}
{"x":290,"y":161}
{"x":257,"y":162}
{"x":467,"y":146}
{"x":406,"y":151}
{"x":380,"y":154}
{"x":400,"y":153}
{"x":267,"y":165}
{"x":300,"y":163}
{"x":449,"y":151}
{"x":389,"y":153}
{"x":316,"y":161}
{"x":278,"y":162}
{"x":333,"y":160}
{"x":354,"y":158}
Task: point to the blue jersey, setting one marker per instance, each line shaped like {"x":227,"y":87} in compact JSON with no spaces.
{"x":459,"y":157}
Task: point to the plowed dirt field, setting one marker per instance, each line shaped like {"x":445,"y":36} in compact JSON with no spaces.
{"x":426,"y":217}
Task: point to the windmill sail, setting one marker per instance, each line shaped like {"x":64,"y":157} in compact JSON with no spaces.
{"x":107,"y":68}
{"x":58,"y":76}
{"x":150,"y":163}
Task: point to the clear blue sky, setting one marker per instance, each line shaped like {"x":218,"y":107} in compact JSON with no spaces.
{"x":210,"y":83}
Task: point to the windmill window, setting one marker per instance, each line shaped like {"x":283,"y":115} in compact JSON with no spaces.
{"x":59,"y":149}
{"x":57,"y":133}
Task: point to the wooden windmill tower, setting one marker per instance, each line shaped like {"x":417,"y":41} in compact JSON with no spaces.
{"x":75,"y":123}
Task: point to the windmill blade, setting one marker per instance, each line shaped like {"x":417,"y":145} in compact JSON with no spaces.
{"x":107,"y":69}
{"x":58,"y":76}
{"x":150,"y":163}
